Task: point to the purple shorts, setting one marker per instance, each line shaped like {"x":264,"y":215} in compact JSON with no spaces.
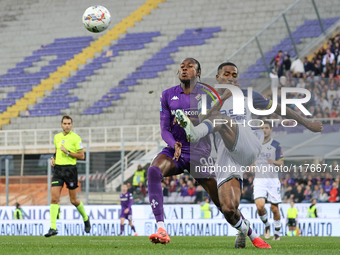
{"x":191,"y":162}
{"x":127,"y":216}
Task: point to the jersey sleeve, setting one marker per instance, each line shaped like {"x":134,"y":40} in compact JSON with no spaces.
{"x":130,"y":200}
{"x":78,"y":144}
{"x":278,"y":152}
{"x":260,"y":101}
{"x":165,"y":116}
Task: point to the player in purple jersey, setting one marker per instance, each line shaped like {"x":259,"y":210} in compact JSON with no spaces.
{"x":126,"y":201}
{"x":178,"y":156}
{"x":237,"y":146}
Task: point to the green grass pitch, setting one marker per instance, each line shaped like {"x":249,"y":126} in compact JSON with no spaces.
{"x":178,"y":246}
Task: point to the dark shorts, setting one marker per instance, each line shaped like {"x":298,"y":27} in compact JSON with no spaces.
{"x":291,"y":222}
{"x":190,"y":162}
{"x":127,"y":216}
{"x":65,"y":174}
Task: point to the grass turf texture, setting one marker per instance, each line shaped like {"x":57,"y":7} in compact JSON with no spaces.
{"x":178,"y":246}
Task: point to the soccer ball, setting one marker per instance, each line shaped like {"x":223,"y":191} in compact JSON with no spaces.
{"x":96,"y":18}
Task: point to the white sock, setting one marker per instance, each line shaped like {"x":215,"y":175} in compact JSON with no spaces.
{"x":203,"y":128}
{"x":240,"y":225}
{"x":160,"y":224}
{"x":253,"y":235}
{"x":264,"y":219}
{"x":277,"y":226}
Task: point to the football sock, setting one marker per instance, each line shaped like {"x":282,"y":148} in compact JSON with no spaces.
{"x":58,"y":214}
{"x":53,"y":214}
{"x":160,"y":224}
{"x":277,"y":226}
{"x":205,"y":128}
{"x":252,"y":235}
{"x":121,"y":229}
{"x":240,"y":225}
{"x":81,"y":210}
{"x":264,"y":219}
{"x":155,"y":192}
{"x":133,"y":228}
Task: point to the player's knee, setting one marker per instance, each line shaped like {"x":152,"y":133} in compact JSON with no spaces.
{"x":74,"y":201}
{"x":274,"y":209}
{"x":261,"y":210}
{"x":54,"y":200}
{"x":154,"y":174}
{"x":229,"y":211}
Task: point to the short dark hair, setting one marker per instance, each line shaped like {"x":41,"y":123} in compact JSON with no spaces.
{"x":225,"y":64}
{"x":66,"y":117}
{"x":267,"y":122}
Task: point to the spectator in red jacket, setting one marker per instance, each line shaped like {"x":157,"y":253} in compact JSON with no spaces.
{"x":334,"y":194}
{"x":191,"y":189}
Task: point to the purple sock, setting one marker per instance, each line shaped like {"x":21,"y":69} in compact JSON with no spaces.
{"x":155,"y":192}
{"x":133,"y":228}
{"x":250,"y":230}
{"x":121,"y":229}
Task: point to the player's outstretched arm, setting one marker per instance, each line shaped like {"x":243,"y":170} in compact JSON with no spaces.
{"x":290,"y":114}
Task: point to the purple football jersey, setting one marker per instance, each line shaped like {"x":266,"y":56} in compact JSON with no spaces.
{"x":126,"y":200}
{"x":173,"y":99}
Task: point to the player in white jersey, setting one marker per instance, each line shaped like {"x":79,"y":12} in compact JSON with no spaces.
{"x":267,"y":184}
{"x":237,"y":146}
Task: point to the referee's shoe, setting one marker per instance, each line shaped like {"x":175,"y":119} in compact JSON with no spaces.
{"x":51,"y":232}
{"x":87,"y":225}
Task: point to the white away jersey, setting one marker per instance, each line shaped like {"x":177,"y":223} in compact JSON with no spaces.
{"x":264,"y":173}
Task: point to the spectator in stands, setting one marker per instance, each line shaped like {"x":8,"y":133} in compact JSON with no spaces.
{"x":130,"y":188}
{"x":288,"y":196}
{"x":274,"y":75}
{"x":328,"y":57}
{"x":139,"y":176}
{"x":334,"y":193}
{"x":138,"y":197}
{"x":286,"y":65}
{"x":323,"y":196}
{"x":200,"y":194}
{"x":278,"y":57}
{"x":141,"y":188}
{"x":316,"y":192}
{"x":298,"y":196}
{"x":172,"y":187}
{"x":333,"y":113}
{"x":337,"y":70}
{"x":183,"y":189}
{"x":247,"y":192}
{"x":301,"y":84}
{"x":297,"y":66}
{"x":318,"y":67}
{"x":307,"y":195}
{"x":331,"y":92}
{"x":191,"y":189}
{"x":18,"y":213}
{"x":312,"y":111}
{"x":321,"y":52}
{"x":327,"y":187}
{"x":165,"y":190}
{"x":308,"y":66}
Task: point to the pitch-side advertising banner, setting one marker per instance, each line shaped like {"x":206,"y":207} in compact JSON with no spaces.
{"x":180,"y":220}
{"x":171,"y":212}
{"x":188,"y":227}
